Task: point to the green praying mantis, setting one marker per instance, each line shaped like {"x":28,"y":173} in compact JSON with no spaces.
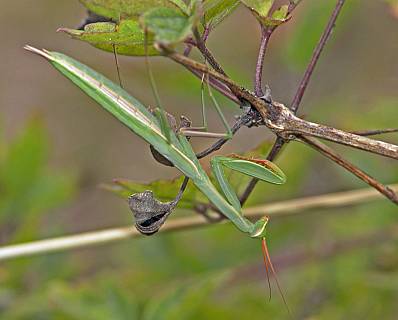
{"x":174,"y":146}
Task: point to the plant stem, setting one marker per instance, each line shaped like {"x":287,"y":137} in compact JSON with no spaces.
{"x":338,"y":136}
{"x":315,"y":56}
{"x":331,"y":154}
{"x":201,"y":45}
{"x":258,"y":83}
{"x":365,"y":133}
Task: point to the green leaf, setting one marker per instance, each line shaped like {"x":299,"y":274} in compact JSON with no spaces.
{"x":121,"y":9}
{"x":181,"y":5}
{"x":215,"y":11}
{"x":127,"y":37}
{"x":170,"y":26}
{"x":166,"y":190}
{"x":260,"y":8}
{"x":278,"y":17}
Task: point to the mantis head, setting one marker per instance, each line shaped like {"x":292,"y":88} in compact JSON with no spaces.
{"x":259,"y":228}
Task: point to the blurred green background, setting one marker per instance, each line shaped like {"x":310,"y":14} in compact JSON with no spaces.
{"x":57,"y":146}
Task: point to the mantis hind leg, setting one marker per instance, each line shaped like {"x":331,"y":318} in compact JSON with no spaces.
{"x":202,"y":131}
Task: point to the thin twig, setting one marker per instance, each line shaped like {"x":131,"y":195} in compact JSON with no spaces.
{"x":315,"y":56}
{"x":331,"y":154}
{"x":214,"y":83}
{"x":292,"y":5}
{"x":258,"y":78}
{"x":266,"y":33}
{"x":374,"y":132}
{"x":217,"y":85}
{"x":295,"y":206}
{"x":201,"y":45}
{"x":317,"y":130}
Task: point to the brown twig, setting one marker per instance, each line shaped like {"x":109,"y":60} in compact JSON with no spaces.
{"x":217,"y":85}
{"x":331,"y":154}
{"x":339,"y":136}
{"x":214,"y":83}
{"x":315,"y":57}
{"x":266,"y":33}
{"x":258,"y":82}
{"x":201,"y":45}
{"x":374,"y":132}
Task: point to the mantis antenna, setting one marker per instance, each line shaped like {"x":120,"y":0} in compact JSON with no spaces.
{"x":117,"y":66}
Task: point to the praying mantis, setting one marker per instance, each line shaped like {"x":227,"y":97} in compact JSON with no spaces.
{"x":174,"y":146}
